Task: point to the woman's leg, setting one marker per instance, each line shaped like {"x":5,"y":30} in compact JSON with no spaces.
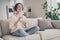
{"x":32,"y":30}
{"x":20,"y":33}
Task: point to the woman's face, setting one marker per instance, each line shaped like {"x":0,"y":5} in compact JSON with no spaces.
{"x":19,"y":8}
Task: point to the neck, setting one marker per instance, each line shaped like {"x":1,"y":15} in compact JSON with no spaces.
{"x":17,"y":13}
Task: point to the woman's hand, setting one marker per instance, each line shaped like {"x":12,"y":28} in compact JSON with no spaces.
{"x":24,"y":23}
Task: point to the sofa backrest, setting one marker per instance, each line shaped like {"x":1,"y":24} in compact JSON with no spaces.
{"x":56,"y":24}
{"x":47,"y":24}
{"x":31,"y":22}
{"x":5,"y":27}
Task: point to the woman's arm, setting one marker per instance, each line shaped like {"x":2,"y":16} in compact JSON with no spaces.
{"x":13,"y":22}
{"x":17,"y":20}
{"x":24,"y":22}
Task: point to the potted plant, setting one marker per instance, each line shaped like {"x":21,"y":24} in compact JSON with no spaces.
{"x":53,"y":13}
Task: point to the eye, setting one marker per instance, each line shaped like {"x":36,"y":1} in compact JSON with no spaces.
{"x":18,"y":6}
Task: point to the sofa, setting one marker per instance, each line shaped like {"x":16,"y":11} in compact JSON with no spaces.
{"x":50,"y":29}
{"x":0,"y":32}
{"x":1,"y":39}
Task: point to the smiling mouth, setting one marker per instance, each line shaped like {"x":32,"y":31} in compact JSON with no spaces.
{"x":19,"y":9}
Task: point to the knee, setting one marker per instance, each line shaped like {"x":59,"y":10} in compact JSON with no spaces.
{"x":36,"y":27}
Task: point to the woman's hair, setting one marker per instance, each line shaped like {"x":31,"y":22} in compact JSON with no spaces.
{"x":15,"y":7}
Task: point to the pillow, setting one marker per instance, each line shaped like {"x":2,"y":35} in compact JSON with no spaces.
{"x":32,"y":22}
{"x":45,"y":24}
{"x":56,"y":24}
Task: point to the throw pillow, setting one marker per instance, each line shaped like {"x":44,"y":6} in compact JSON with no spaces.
{"x":56,"y":24}
{"x":45,"y":24}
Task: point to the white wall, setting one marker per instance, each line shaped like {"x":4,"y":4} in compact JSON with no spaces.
{"x":37,"y":10}
{"x":36,"y":6}
{"x":18,"y":1}
{"x":0,"y":10}
{"x":3,"y":4}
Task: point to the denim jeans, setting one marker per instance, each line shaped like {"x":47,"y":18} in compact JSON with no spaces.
{"x":21,"y":32}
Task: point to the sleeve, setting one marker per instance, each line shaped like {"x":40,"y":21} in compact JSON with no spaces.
{"x":11,"y":22}
{"x":24,"y":19}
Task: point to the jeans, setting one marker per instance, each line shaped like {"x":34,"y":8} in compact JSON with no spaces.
{"x":21,"y":32}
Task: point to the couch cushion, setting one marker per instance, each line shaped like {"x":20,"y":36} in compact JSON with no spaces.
{"x":50,"y":34}
{"x":45,"y":24}
{"x":5,"y":27}
{"x":56,"y":24}
{"x":33,"y":37}
{"x":57,"y":38}
{"x":30,"y":37}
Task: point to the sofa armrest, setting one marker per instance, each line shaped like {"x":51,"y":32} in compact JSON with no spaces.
{"x":1,"y":39}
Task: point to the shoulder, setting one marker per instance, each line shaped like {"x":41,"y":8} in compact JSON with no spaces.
{"x":11,"y":17}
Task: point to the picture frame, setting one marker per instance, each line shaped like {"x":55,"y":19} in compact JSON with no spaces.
{"x":9,"y":10}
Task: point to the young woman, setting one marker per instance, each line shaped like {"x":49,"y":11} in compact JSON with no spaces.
{"x":18,"y":24}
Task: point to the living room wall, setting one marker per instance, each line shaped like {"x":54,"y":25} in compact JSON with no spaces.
{"x":36,"y":7}
{"x":3,"y":4}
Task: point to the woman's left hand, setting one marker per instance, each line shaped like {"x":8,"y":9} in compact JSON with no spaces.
{"x":24,"y":23}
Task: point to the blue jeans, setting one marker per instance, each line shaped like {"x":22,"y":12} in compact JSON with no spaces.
{"x":21,"y":32}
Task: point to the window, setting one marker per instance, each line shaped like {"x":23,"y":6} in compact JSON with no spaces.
{"x":52,"y":3}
